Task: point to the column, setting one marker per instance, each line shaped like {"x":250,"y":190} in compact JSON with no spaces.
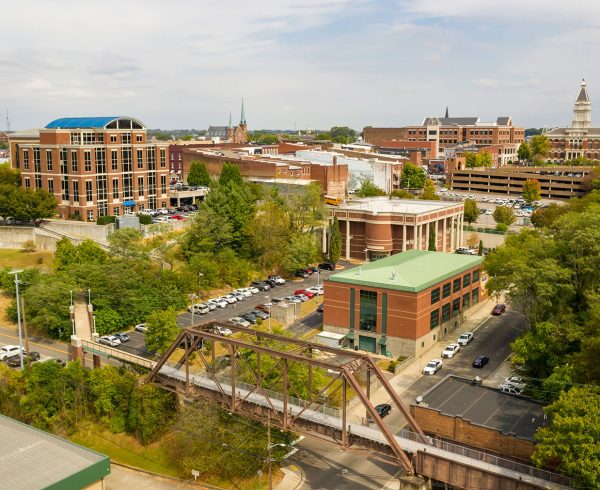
{"x":347,"y":238}
{"x":414,"y":247}
{"x":404,"y":238}
{"x":427,"y":225}
{"x":452,"y":237}
{"x":444,"y":240}
{"x":461,"y":222}
{"x":324,"y":243}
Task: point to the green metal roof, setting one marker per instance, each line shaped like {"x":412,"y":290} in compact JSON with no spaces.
{"x":414,"y":270}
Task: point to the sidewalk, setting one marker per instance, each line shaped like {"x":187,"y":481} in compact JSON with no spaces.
{"x":293,"y":478}
{"x":400,"y":382}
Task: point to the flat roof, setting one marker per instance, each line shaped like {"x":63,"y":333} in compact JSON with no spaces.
{"x":331,"y":335}
{"x":413,"y":270}
{"x":32,"y":458}
{"x":385,"y":205}
{"x":486,"y":406}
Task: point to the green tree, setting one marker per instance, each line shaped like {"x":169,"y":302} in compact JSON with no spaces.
{"x":540,"y":147}
{"x":335,"y":241}
{"x":480,"y":249}
{"x":485,"y":159}
{"x":432,"y":246}
{"x":413,"y":177}
{"x":198,"y":174}
{"x":126,"y":243}
{"x":471,"y":160}
{"x":230,"y":173}
{"x":108,"y":321}
{"x":210,"y":232}
{"x":369,"y":189}
{"x":269,"y":233}
{"x":504,"y":215}
{"x":402,"y":194}
{"x":152,"y":411}
{"x":302,"y":251}
{"x":532,"y":190}
{"x":342,"y":134}
{"x":524,"y":152}
{"x":162,"y":330}
{"x":471,"y":211}
{"x":65,"y":255}
{"x":9,"y":176}
{"x":572,"y":436}
{"x":429,"y":191}
{"x":31,"y":205}
{"x":547,"y":216}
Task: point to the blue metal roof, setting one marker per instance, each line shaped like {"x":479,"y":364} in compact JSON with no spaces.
{"x":80,"y":122}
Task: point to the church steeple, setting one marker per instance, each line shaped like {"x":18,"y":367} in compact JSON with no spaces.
{"x":582,"y":110}
{"x":243,"y":116}
{"x":446,"y":116}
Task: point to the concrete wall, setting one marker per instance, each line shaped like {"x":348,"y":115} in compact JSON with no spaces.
{"x":490,"y":240}
{"x":15,"y":236}
{"x":81,"y":229}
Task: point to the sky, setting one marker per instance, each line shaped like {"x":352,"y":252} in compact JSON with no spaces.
{"x":303,"y":64}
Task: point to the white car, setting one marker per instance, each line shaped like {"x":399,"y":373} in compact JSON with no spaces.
{"x":292,"y":299}
{"x":489,"y":212}
{"x":316,"y":290}
{"x":199,"y":309}
{"x":141,"y":327}
{"x":465,"y":338}
{"x":230,"y":298}
{"x":211,"y":306}
{"x":223,"y":331}
{"x":9,"y":351}
{"x":245,"y":291}
{"x":510,"y":389}
{"x":239,"y":321}
{"x":110,"y":340}
{"x":253,"y":290}
{"x":432,"y":367}
{"x":515,"y":381}
{"x":219,"y":302}
{"x":278,"y":279}
{"x":450,"y":350}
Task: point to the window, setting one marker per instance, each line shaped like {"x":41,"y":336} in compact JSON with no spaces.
{"x":89,"y":138}
{"x":38,"y":181}
{"x":62,"y":158}
{"x":75,"y":138}
{"x":140,"y":158}
{"x":475,"y":296}
{"x":113,"y":138}
{"x":368,"y":311}
{"x":76,"y":191}
{"x":475,"y":276}
{"x":125,"y":138}
{"x":140,"y":186}
{"x":139,"y":138}
{"x":466,"y":280}
{"x":151,"y":158}
{"x":49,"y":160}
{"x":74,"y":161}
{"x":100,"y":138}
{"x":163,"y":157}
{"x":446,"y":312}
{"x":116,"y":211}
{"x":446,"y":290}
{"x":36,"y":160}
{"x":87,"y":157}
{"x":114,"y":158}
{"x":51,"y":186}
{"x":100,"y":161}
{"x":434,"y":318}
{"x":90,"y":215}
{"x":435,"y":295}
{"x":455,"y":306}
{"x":26,"y":159}
{"x":456,"y":285}
{"x":466,"y":301}
{"x":163,"y":184}
{"x":27,"y":183}
{"x":115,"y":188}
{"x":64,"y":184}
{"x":89,"y":196}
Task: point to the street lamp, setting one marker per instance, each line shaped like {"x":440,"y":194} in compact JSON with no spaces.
{"x":16,"y":273}
{"x":318,"y":274}
{"x":199,"y":280}
{"x":193,"y":298}
{"x":269,"y":306}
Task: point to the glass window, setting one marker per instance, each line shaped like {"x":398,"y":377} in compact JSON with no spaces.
{"x":456,"y":285}
{"x":163,"y":184}
{"x":475,"y":296}
{"x":49,"y":159}
{"x":51,"y":186}
{"x":113,"y":138}
{"x":446,"y":290}
{"x":466,"y":280}
{"x":114,"y":158}
{"x":140,"y":158}
{"x":27,"y":183}
{"x":75,"y":191}
{"x":26,"y":159}
{"x":74,"y":161}
{"x":475,"y":276}
{"x":88,"y":191}
{"x":466,"y":301}
{"x":368,"y":311}
{"x":435,"y":295}
{"x":87,"y":156}
{"x":115,"y":188}
{"x":446,"y":312}
{"x":163,"y":157}
{"x":455,"y":306}
{"x":140,"y":186}
{"x":434,"y":318}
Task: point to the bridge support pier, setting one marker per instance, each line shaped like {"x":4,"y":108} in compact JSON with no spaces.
{"x":96,"y":361}
{"x":414,"y":483}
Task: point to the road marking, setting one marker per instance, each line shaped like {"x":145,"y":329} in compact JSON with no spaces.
{"x":16,"y":337}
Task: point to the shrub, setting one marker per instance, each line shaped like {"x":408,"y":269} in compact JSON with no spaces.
{"x":105,"y":220}
{"x":145,"y":219}
{"x":28,"y":246}
{"x":502,"y":227}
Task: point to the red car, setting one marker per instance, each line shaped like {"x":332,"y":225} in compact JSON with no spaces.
{"x":262,"y":307}
{"x":309,"y":271}
{"x":305,"y":293}
{"x":499,"y":309}
{"x":178,"y":217}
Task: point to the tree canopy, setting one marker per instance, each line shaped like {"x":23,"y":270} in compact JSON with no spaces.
{"x":429,"y":193}
{"x":369,"y":189}
{"x":504,"y":215}
{"x":540,"y":147}
{"x":532,"y":190}
{"x":524,"y":152}
{"x":483,"y":159}
{"x":471,"y":211}
{"x":335,"y":241}
{"x":413,"y":177}
{"x":198,"y":174}
{"x":342,"y":134}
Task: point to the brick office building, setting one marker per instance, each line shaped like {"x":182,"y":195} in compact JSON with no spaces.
{"x":379,"y":226}
{"x":95,"y":166}
{"x":403,"y":304}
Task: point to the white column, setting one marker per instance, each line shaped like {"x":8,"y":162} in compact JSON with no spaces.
{"x":452,"y":236}
{"x":414,"y":247}
{"x":347,"y":239}
{"x":404,"y":238}
{"x":461,"y":222}
{"x":427,"y":225}
{"x":444,"y":231}
{"x":324,"y":244}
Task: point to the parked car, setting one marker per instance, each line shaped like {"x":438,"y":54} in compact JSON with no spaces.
{"x":314,"y":268}
{"x":465,"y":338}
{"x":211,"y":306}
{"x":316,"y":290}
{"x":326,"y":266}
{"x":253,"y":290}
{"x":60,"y":362}
{"x":510,"y":389}
{"x":230,"y":298}
{"x":263,"y":307}
{"x":15,"y":361}
{"x":320,"y":308}
{"x":293,"y":299}
{"x":516,"y":381}
{"x":261,"y":285}
{"x":432,"y":367}
{"x":219,"y":302}
{"x":245,"y":291}
{"x":278,"y":279}
{"x":122,"y":336}
{"x":480,"y":361}
{"x":141,"y":327}
{"x":249,"y":317}
{"x":238,"y":320}
{"x":222,"y":330}
{"x":383,"y":409}
{"x":9,"y":351}
{"x":239,"y":296}
{"x":499,"y":309}
{"x":305,"y":292}
{"x":109,"y":340}
{"x":261,"y":314}
{"x":450,"y":350}
{"x":199,"y":309}
{"x":309,"y":271}
{"x":302,"y":297}
{"x":271,"y":282}
{"x":276,"y":300}
{"x":301,"y":273}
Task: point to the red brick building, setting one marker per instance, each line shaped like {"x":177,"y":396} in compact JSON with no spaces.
{"x":403,"y":304}
{"x":94,"y":166}
{"x":376,"y":227}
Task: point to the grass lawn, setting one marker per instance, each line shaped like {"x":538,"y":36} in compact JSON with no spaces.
{"x":17,"y":259}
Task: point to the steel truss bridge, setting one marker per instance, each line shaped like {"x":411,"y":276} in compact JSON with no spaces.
{"x":255,"y":357}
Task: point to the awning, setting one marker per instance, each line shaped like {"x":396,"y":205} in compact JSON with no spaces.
{"x":128,"y":203}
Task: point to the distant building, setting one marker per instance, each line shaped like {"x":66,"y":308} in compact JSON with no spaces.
{"x":581,"y":140}
{"x":4,"y":136}
{"x":94,"y":166}
{"x":446,"y":132}
{"x":375,"y":227}
{"x":401,"y":305}
{"x":230,"y":134}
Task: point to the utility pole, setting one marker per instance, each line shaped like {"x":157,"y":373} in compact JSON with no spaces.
{"x":16,"y":273}
{"x":25,"y":332}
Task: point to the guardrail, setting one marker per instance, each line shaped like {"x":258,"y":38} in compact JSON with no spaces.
{"x":118,"y":354}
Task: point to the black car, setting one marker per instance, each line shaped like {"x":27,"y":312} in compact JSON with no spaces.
{"x":480,"y":361}
{"x":326,"y":266}
{"x":249,"y":317}
{"x":15,"y":361}
{"x":313,"y":268}
{"x":260,"y":285}
{"x":122,"y":336}
{"x":271,"y":282}
{"x":383,"y":410}
{"x":301,"y":273}
{"x":320,"y":308}
{"x":260,"y":314}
